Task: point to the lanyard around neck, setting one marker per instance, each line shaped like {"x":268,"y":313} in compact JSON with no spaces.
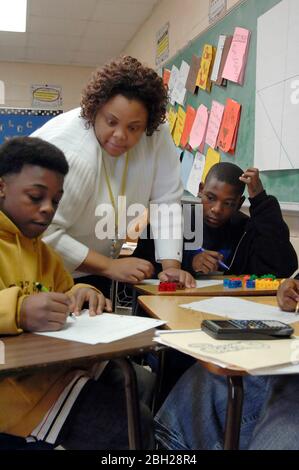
{"x":122,"y":187}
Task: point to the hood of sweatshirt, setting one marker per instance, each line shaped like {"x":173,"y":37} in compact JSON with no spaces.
{"x":20,"y":257}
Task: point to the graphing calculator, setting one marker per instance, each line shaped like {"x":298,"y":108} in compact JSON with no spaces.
{"x":247,"y":329}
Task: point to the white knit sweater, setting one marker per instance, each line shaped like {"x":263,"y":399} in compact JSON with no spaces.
{"x":153,"y":177}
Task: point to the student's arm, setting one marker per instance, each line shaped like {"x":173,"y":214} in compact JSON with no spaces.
{"x":9,"y":311}
{"x":271,"y":250}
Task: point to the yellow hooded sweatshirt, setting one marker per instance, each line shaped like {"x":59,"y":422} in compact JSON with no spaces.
{"x":25,"y":399}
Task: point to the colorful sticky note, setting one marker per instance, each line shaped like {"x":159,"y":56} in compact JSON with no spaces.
{"x":196,"y":173}
{"x":186,"y":166}
{"x":216,"y":115}
{"x":218,"y":57}
{"x":179,"y":126}
{"x":166,"y":76}
{"x":220,"y":80}
{"x":203,"y":78}
{"x":212,"y":158}
{"x":190,"y":116}
{"x":237,"y":57}
{"x":198,"y":131}
{"x":172,"y":117}
{"x":193,"y":72}
{"x":227,"y":137}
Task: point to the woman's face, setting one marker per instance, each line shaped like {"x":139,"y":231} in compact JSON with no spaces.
{"x":119,"y":124}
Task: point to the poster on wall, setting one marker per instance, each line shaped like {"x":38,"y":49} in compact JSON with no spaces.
{"x":19,"y":122}
{"x":217,"y":9}
{"x":162,"y":44}
{"x":277,"y":85}
{"x":46,"y":96}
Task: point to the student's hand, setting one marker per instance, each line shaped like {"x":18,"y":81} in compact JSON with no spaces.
{"x":46,"y":311}
{"x":97,"y":303}
{"x":206,"y":262}
{"x":129,"y":269}
{"x":288,"y":295}
{"x":252,"y":179}
{"x":183,"y":278}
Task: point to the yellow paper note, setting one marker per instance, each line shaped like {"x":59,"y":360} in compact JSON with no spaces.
{"x":203,"y":78}
{"x":179,"y":127}
{"x":172,"y":117}
{"x":212,"y":158}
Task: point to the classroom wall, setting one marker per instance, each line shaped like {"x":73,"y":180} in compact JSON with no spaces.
{"x":187,"y":20}
{"x":18,"y":78}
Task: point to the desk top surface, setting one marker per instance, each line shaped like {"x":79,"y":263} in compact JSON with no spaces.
{"x":178,"y":318}
{"x":34,"y":351}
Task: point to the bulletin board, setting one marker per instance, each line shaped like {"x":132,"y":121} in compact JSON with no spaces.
{"x":18,"y":122}
{"x":284,"y":184}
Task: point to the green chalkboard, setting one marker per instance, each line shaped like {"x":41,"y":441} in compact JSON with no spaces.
{"x":283,"y":184}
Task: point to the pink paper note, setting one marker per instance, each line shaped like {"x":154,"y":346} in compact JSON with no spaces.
{"x":214,"y":123}
{"x":237,"y":56}
{"x":199,"y":127}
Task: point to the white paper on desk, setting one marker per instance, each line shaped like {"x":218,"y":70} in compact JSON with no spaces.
{"x":103,"y":328}
{"x":234,"y":354}
{"x":199,"y":283}
{"x":240,"y":309}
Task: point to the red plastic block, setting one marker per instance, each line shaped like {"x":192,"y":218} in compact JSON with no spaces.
{"x":167,"y":287}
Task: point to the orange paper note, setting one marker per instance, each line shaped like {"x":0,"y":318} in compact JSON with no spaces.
{"x":229,"y":128}
{"x":190,"y":116}
{"x":166,"y":76}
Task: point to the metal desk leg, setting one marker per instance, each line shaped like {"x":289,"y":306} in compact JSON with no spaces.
{"x":132,"y":400}
{"x":113,"y":294}
{"x":234,"y":412}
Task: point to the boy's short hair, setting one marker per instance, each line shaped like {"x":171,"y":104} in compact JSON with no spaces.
{"x":20,"y":151}
{"x":227,"y":173}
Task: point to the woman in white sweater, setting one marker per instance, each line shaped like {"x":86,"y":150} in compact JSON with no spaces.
{"x":116,"y":145}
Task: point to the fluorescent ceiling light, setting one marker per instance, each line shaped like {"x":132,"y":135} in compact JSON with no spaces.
{"x":13,"y":15}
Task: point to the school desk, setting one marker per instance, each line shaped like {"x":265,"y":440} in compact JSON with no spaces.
{"x":29,"y":353}
{"x":168,"y":308}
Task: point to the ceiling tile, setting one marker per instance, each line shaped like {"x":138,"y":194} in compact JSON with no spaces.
{"x":71,"y":9}
{"x":51,"y":41}
{"x":38,"y":24}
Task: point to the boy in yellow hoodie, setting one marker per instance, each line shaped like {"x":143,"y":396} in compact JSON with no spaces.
{"x":31,"y":185}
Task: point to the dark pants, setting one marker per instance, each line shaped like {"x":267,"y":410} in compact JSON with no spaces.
{"x":98,"y":419}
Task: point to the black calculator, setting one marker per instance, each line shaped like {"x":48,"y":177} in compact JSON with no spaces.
{"x":247,"y":329}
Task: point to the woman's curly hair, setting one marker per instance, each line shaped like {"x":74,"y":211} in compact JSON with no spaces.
{"x":128,"y":77}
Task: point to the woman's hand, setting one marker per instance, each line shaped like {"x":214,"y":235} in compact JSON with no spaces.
{"x":46,"y":311}
{"x":129,"y":270}
{"x":97,"y":303}
{"x":206,"y":262}
{"x":288,"y":295}
{"x":183,"y":278}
